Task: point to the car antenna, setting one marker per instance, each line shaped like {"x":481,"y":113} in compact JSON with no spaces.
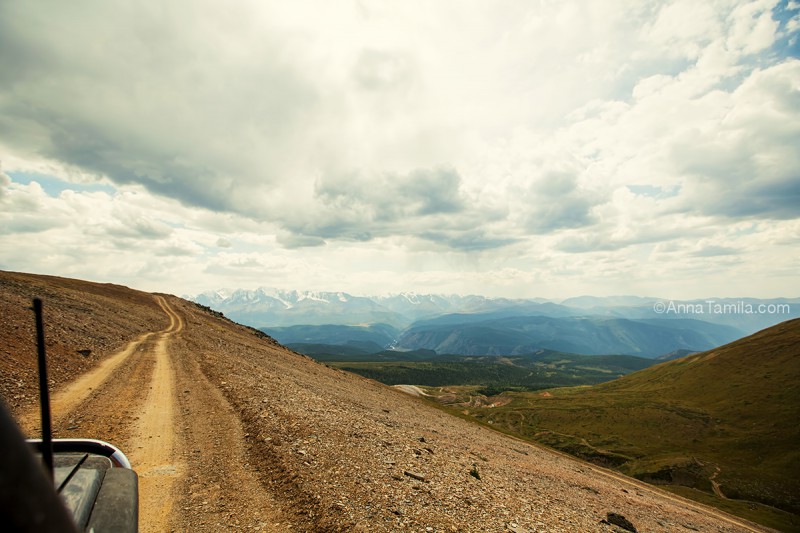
{"x":44,"y":393}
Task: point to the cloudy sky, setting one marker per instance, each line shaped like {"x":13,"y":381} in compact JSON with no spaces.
{"x":508,"y":148}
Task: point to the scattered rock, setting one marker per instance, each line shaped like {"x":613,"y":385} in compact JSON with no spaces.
{"x":474,"y":472}
{"x":414,"y":475}
{"x":620,"y":521}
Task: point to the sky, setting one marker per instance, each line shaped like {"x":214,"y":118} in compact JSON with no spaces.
{"x":508,"y":148}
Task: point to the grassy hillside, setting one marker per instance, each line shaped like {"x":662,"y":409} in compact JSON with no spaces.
{"x":721,"y":423}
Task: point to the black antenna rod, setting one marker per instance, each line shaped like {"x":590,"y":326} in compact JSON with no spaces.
{"x":44,"y":392}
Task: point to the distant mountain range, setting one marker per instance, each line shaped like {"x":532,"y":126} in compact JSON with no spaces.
{"x":584,"y":335}
{"x":265,"y":307}
{"x":655,"y":338}
{"x":270,"y":307}
{"x":478,"y":325}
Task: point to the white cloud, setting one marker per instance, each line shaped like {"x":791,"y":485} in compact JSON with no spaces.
{"x":684,"y":27}
{"x":530,"y":143}
{"x":752,"y":27}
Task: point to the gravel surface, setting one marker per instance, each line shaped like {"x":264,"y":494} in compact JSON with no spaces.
{"x":269,"y":440}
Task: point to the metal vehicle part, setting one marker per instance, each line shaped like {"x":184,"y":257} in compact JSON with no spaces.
{"x":62,"y":485}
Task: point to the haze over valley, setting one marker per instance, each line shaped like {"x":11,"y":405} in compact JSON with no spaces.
{"x":477,"y":325}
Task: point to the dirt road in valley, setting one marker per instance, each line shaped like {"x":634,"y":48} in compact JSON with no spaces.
{"x":180,"y":434}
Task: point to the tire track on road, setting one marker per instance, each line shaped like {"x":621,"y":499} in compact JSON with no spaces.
{"x":65,"y":403}
{"x":154,"y":453}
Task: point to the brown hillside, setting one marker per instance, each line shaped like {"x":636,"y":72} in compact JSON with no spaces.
{"x":229,"y":430}
{"x":80,"y":316}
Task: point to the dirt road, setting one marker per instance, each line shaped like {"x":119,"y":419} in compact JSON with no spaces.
{"x":181,"y":436}
{"x":154,"y":458}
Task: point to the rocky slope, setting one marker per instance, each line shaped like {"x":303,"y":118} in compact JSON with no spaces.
{"x":326,"y":450}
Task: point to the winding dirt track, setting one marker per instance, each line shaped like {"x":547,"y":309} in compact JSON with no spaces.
{"x":155,"y":457}
{"x":182,"y":437}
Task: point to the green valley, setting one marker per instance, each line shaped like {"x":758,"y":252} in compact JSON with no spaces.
{"x":493,"y":374}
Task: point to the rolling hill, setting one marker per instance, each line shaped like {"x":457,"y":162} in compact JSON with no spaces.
{"x":719,"y":425}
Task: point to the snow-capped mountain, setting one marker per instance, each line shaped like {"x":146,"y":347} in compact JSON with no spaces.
{"x":274,"y":307}
{"x":268,"y":307}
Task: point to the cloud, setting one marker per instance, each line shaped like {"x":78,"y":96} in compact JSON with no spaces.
{"x":746,"y":166}
{"x":259,"y":118}
{"x":378,"y":70}
{"x":363,"y":206}
{"x":146,"y":97}
{"x":556,"y":202}
{"x":753,"y":27}
{"x":28,"y":209}
{"x":296,"y":240}
{"x":468,"y":240}
{"x":5,"y":181}
{"x":714,"y":251}
{"x":541,"y":138}
{"x":120,"y":237}
{"x":178,"y":247}
{"x":421,"y":192}
{"x":129,"y":224}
